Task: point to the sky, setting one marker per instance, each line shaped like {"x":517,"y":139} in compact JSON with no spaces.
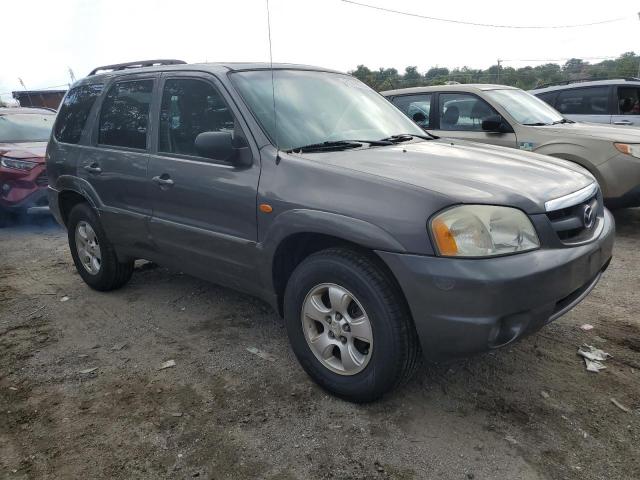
{"x":83,"y":34}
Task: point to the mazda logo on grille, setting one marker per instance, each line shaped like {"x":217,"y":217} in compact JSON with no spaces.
{"x":588,"y":216}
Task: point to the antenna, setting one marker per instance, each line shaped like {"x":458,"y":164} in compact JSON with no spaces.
{"x":273,"y":87}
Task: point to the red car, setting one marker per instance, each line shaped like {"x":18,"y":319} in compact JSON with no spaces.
{"x":24,"y":133}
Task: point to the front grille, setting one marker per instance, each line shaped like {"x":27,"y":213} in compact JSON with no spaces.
{"x":42,"y":180}
{"x":569,"y":223}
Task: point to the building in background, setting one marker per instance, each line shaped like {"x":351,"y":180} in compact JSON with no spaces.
{"x":39,"y":98}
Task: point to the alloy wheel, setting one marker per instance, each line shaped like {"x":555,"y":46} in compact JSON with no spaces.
{"x":337,"y":329}
{"x":88,"y":247}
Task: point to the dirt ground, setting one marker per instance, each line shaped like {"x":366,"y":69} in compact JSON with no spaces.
{"x":530,"y":411}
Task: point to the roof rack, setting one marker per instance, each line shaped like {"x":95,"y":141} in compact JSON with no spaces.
{"x":139,"y":64}
{"x":581,"y":80}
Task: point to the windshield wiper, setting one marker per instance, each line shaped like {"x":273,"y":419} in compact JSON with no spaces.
{"x":564,"y":120}
{"x":338,"y":145}
{"x":405,"y":137}
{"x":537,"y":124}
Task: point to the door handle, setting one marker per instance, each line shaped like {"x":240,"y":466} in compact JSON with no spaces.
{"x":622,"y":122}
{"x":93,"y":168}
{"x":163,"y":180}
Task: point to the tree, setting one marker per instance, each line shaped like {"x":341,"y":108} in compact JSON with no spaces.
{"x":626,"y":65}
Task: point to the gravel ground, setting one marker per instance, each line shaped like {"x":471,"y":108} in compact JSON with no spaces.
{"x":82,"y":395}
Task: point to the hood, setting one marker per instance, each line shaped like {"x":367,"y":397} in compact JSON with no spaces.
{"x":24,"y":151}
{"x":468,"y":172}
{"x":611,"y":133}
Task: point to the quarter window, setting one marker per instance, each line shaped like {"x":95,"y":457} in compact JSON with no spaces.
{"x":416,"y":107}
{"x":584,"y":101}
{"x":124,"y":118}
{"x":74,"y":112}
{"x":189,"y":108}
{"x":463,"y":112}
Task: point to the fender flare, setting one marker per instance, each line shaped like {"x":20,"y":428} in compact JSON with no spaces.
{"x":79,"y":186}
{"x":336,"y":225}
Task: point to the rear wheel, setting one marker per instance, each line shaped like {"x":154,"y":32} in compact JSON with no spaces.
{"x":349,"y":326}
{"x":93,"y":254}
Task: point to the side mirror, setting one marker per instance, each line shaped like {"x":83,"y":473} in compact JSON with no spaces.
{"x":495,"y":123}
{"x":215,"y":145}
{"x":419,"y":117}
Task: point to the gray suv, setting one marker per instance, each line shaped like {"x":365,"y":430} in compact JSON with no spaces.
{"x":305,"y":188}
{"x":615,"y":101}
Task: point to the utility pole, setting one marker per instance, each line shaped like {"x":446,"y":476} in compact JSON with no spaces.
{"x":25,"y":89}
{"x":498,"y":77}
{"x":639,"y":60}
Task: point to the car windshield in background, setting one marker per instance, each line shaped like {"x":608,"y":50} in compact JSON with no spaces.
{"x":525,"y":108}
{"x":317,"y":107}
{"x":25,"y":127}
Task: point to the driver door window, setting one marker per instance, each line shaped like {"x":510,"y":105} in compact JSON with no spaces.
{"x":190,"y":107}
{"x":628,"y":113}
{"x":463,"y":112}
{"x":460,"y":115}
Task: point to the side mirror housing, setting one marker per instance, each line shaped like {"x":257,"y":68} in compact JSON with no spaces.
{"x":495,"y":123}
{"x":215,"y":145}
{"x":219,"y":146}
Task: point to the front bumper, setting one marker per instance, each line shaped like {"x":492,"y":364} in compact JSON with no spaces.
{"x":620,"y":178}
{"x":24,"y":191}
{"x":35,"y":203}
{"x":466,"y":306}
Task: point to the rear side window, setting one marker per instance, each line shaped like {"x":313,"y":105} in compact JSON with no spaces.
{"x":416,"y":107}
{"x":74,"y":112}
{"x":124,"y":118}
{"x":584,"y":101}
{"x":190,"y":107}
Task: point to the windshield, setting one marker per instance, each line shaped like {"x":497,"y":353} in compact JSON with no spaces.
{"x":524,"y":107}
{"x":316,"y":107}
{"x":25,"y":127}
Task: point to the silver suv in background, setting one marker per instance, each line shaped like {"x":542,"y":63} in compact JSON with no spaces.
{"x":615,"y":101}
{"x":510,"y":117}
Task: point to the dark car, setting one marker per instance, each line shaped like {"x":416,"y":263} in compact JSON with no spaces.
{"x":304,"y":187}
{"x":24,"y":133}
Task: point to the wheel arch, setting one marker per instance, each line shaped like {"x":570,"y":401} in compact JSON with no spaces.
{"x":71,"y":191}
{"x":316,"y":231}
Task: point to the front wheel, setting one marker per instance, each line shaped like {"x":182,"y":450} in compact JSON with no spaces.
{"x":93,"y":254}
{"x":349,"y":325}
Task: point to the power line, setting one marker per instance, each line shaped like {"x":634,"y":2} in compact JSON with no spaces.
{"x":487,"y":25}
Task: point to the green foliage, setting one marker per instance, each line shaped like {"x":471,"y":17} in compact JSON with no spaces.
{"x":626,"y":65}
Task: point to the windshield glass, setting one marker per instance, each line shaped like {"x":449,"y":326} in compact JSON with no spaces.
{"x":524,"y":107}
{"x":316,"y":107}
{"x":25,"y":127}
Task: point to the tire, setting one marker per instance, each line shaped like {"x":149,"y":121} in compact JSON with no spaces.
{"x":108,"y":272}
{"x":6,"y":218}
{"x":384,"y":363}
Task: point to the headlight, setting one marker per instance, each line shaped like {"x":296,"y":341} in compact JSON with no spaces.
{"x":482,"y":231}
{"x":632,"y":149}
{"x":17,"y":164}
